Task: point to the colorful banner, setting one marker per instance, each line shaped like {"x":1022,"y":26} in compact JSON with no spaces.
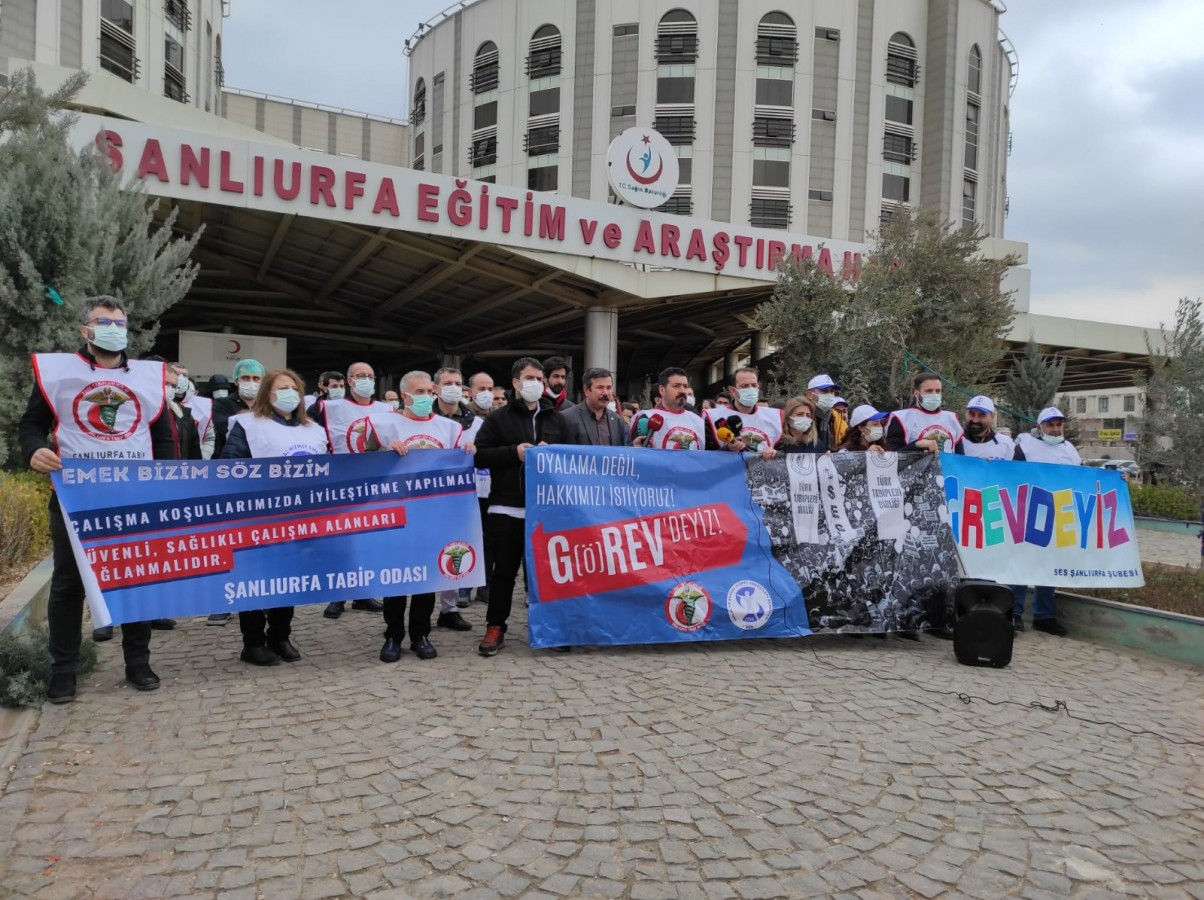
{"x":161,"y":539}
{"x":634,"y":546}
{"x":864,"y":534}
{"x":1042,"y":524}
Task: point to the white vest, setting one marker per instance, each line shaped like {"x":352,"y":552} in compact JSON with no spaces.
{"x":919,"y":424}
{"x":202,"y":412}
{"x":1036,"y":450}
{"x":101,"y":413}
{"x":681,"y":431}
{"x":432,"y":433}
{"x":999,"y":447}
{"x":759,"y":429}
{"x":347,"y":423}
{"x":267,"y":437}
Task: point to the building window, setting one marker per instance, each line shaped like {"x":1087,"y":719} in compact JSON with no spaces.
{"x":484,"y":69}
{"x":827,"y":34}
{"x":771,"y":173}
{"x":484,"y":151}
{"x":765,"y":213}
{"x":1103,"y":404}
{"x":541,"y":140}
{"x":618,"y":112}
{"x":777,"y":40}
{"x":898,"y":148}
{"x":685,"y":170}
{"x":543,"y":178}
{"x":677,"y":130}
{"x":899,"y":110}
{"x":974,"y":71}
{"x":775,"y":92}
{"x":770,"y":131}
{"x":969,"y":202}
{"x":545,"y":102}
{"x":824,"y":115}
{"x":814,"y":194}
{"x":544,"y":58}
{"x":1080,"y":405}
{"x":418,"y":109}
{"x":419,"y":151}
{"x":629,"y":28}
{"x":117,"y":39}
{"x":901,"y":61}
{"x":677,"y":37}
{"x":972,"y":115}
{"x":896,"y":187}
{"x":485,"y":115}
{"x":678,"y":205}
{"x":1130,"y":403}
{"x":177,"y":14}
{"x":119,"y":13}
{"x":675,"y":90}
{"x":173,"y":70}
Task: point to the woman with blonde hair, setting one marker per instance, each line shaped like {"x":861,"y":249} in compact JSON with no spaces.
{"x":799,"y":433}
{"x":275,"y":425}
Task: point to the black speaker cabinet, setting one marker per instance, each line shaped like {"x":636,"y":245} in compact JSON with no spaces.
{"x":982,"y":630}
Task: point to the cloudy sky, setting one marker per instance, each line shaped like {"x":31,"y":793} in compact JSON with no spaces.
{"x":1105,"y":178}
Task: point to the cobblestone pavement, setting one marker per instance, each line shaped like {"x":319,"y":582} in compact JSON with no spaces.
{"x":744,"y":769}
{"x":1170,"y":548}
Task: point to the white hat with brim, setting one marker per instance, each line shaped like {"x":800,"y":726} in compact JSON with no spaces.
{"x":865,"y":413}
{"x":821,"y":383}
{"x":981,"y":403}
{"x":1050,"y":412}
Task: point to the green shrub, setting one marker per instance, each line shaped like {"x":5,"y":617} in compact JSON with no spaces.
{"x":1168,"y":502}
{"x":25,"y":666}
{"x":24,"y":526}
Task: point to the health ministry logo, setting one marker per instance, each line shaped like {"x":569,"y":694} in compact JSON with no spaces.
{"x":642,"y":168}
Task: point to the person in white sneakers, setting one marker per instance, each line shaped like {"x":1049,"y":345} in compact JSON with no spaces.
{"x":671,"y":426}
{"x":1044,"y":444}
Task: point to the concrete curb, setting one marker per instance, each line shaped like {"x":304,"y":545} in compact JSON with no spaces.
{"x":1169,"y":635}
{"x":25,"y":604}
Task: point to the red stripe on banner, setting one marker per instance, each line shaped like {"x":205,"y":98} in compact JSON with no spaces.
{"x":137,"y":563}
{"x":643,"y":550}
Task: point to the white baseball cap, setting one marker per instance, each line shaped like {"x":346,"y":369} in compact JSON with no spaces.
{"x":821,"y":383}
{"x":981,"y":403}
{"x":840,"y":400}
{"x":865,"y":413}
{"x":1050,"y":412}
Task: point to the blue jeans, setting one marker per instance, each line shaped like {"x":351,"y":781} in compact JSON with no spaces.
{"x":1043,"y":601}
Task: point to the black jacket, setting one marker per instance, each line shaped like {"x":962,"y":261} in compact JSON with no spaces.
{"x":223,"y":409}
{"x":463,"y":416}
{"x":497,"y":447}
{"x":38,"y":421}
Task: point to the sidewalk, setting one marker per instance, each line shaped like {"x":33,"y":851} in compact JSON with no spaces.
{"x":741,"y":769}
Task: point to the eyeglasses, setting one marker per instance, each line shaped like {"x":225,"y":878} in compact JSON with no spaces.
{"x":105,"y":320}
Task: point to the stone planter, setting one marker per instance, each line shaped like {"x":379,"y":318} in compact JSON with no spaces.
{"x":1170,"y":635}
{"x":25,"y":604}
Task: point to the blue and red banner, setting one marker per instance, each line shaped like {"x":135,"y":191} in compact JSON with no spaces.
{"x":1043,"y":524}
{"x":633,"y":546}
{"x":160,"y":539}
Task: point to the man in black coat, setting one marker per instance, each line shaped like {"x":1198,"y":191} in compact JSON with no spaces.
{"x":502,"y":444}
{"x":594,"y":422}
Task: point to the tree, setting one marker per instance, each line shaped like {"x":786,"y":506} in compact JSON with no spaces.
{"x":924,"y":288}
{"x":69,"y":229}
{"x":1172,"y":438}
{"x":1031,"y":385}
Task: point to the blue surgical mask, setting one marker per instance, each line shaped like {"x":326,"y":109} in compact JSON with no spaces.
{"x":748,"y":396}
{"x":336,"y":393}
{"x":930,"y":402}
{"x":287,"y":400}
{"x":1054,"y":439}
{"x":112,"y":338}
{"x":364,"y":387}
{"x":421,"y":405}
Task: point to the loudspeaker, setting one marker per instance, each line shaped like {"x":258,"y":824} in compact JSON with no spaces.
{"x":982,"y":631}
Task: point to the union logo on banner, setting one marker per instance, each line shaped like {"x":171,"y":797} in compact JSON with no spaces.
{"x":107,"y":411}
{"x":689,"y":606}
{"x":642,"y":168}
{"x":457,"y":559}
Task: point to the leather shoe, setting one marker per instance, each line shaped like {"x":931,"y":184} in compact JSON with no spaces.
{"x":454,"y":621}
{"x":141,"y":677}
{"x":285,"y":650}
{"x":368,"y":605}
{"x":391,"y":651}
{"x":100,"y":635}
{"x":217,"y":619}
{"x":61,"y":688}
{"x":163,"y":624}
{"x":333,"y":610}
{"x":259,"y":656}
{"x":424,"y":649}
{"x":1050,"y":626}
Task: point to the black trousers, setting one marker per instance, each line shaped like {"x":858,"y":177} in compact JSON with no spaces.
{"x":508,"y":535}
{"x":261,"y":627}
{"x":65,"y":608}
{"x":420,"y":616}
{"x":486,"y":541}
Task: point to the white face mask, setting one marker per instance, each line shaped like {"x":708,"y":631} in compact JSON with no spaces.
{"x":1052,"y":438}
{"x":286,"y":400}
{"x":826,"y":401}
{"x":112,"y":338}
{"x":451,"y":393}
{"x":612,"y":406}
{"x":221,"y":394}
{"x":748,"y":396}
{"x":336,"y":393}
{"x":930,"y":402}
{"x":690,"y":400}
{"x":169,"y":392}
{"x":394,"y":404}
{"x":364,"y":387}
{"x":531,"y":390}
{"x":873,"y":434}
{"x":248,"y":390}
{"x":483,"y":399}
{"x":800,"y":423}
{"x":183,"y":387}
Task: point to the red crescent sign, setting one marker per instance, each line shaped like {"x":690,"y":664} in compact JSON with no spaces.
{"x":650,"y":179}
{"x":236,"y":344}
